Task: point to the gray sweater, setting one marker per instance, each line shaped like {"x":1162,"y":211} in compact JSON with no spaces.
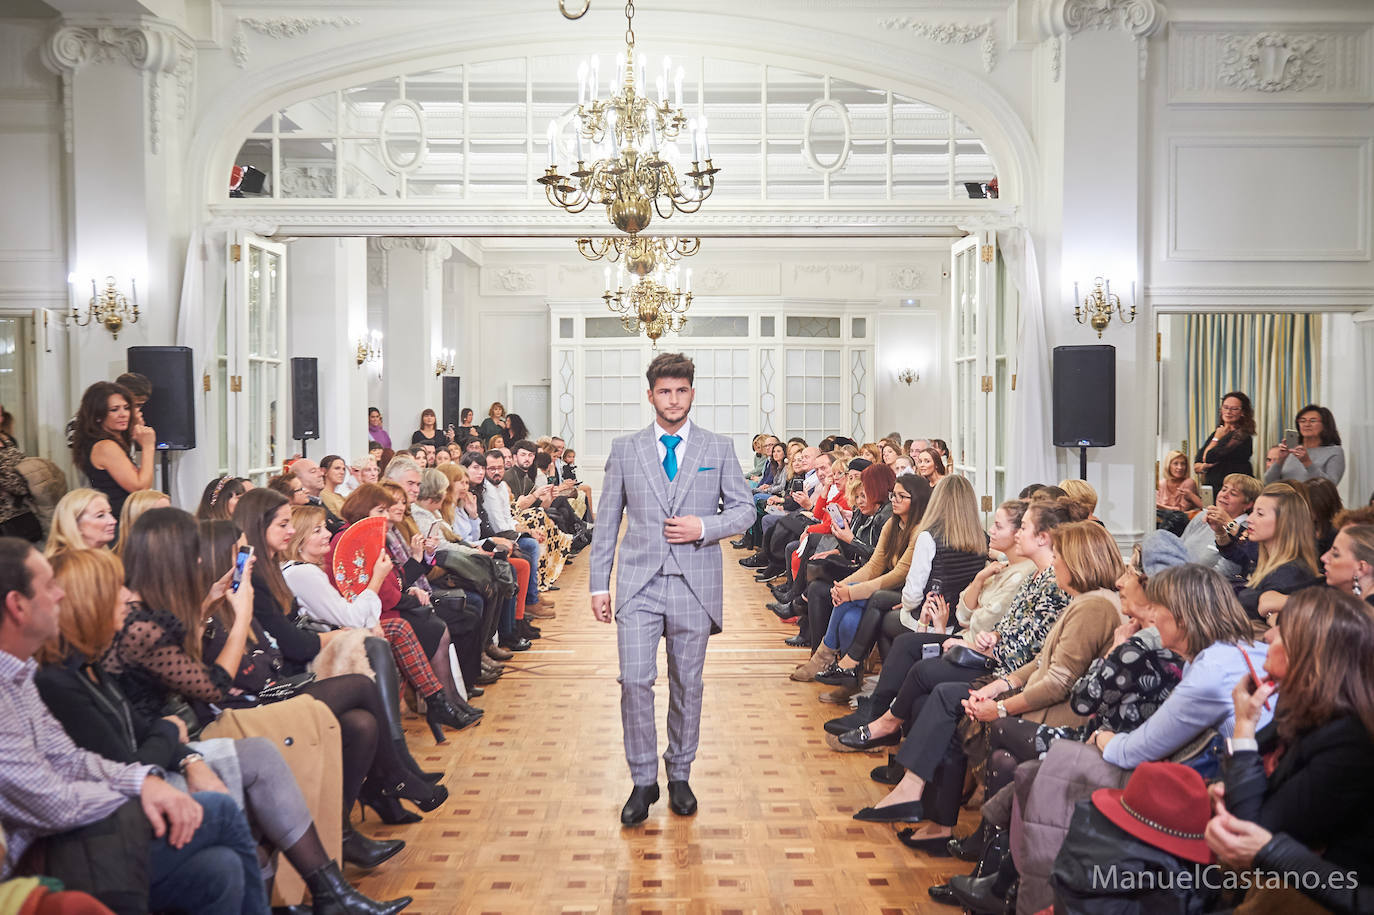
{"x":1327,"y":461}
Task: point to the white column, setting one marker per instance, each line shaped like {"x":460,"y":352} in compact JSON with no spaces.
{"x":413,"y":328}
{"x":327,"y":319}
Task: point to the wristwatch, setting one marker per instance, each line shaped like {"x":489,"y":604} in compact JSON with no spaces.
{"x":187,"y":760}
{"x":1001,"y":709}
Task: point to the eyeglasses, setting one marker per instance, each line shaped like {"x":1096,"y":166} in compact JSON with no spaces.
{"x":1309,"y":420}
{"x":898,"y":497}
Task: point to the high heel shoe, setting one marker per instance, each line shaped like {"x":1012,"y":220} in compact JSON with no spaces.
{"x":439,"y":713}
{"x":389,"y":810}
{"x":361,"y":851}
{"x":419,"y":792}
{"x":331,"y":894}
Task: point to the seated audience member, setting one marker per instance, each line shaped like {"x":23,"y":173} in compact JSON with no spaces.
{"x":1349,"y":563}
{"x":18,"y":516}
{"x":950,"y":549}
{"x":375,"y":432}
{"x":1309,"y":773}
{"x":311,"y":476}
{"x":1177,"y":494}
{"x":498,"y":507}
{"x":81,"y":521}
{"x":1086,"y":565}
{"x":1362,"y":515}
{"x":1281,"y":524}
{"x":760,"y":446}
{"x":889,"y":452}
{"x":799,"y":510}
{"x":134,"y":507}
{"x":1082,"y":492}
{"x":1231,"y":445}
{"x":442,"y":456}
{"x":93,"y":710}
{"x":1233,"y":503}
{"x":1318,"y":454}
{"x":289,"y":485}
{"x":429,"y":432}
{"x":104,"y":434}
{"x":1015,"y":641}
{"x":1325,"y":500}
{"x":930,"y":466}
{"x":320,"y":601}
{"x":196,"y":851}
{"x":335,"y":471}
{"x":885,"y":570}
{"x":941,"y":448}
{"x":915,"y":446}
{"x":465,"y":425}
{"x":495,"y":423}
{"x":220,"y":497}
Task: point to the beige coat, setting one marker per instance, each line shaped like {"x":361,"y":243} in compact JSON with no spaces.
{"x":1082,"y":634}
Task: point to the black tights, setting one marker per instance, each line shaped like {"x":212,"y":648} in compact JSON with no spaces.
{"x":355,"y":703}
{"x":1012,"y":741}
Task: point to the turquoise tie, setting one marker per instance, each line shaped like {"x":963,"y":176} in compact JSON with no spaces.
{"x":670,"y":443}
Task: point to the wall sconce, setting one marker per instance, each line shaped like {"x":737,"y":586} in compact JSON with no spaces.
{"x":446,"y":364}
{"x":1097,"y":307}
{"x":369,"y":349}
{"x":108,"y":307}
{"x":908,"y":376}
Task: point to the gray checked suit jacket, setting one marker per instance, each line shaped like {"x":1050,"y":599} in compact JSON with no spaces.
{"x":636,"y":485}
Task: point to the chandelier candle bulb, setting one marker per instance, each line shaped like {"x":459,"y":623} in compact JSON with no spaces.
{"x":582,"y":83}
{"x":687,"y":284}
{"x":553,"y":148}
{"x":577,"y":141}
{"x":705,"y":140}
{"x":696,"y":140}
{"x":677,"y":88}
{"x":595,"y":84}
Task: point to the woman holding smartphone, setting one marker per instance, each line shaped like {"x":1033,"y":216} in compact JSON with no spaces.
{"x":1311,"y":449}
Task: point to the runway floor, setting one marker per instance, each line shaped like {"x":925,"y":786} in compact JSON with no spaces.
{"x":532,"y":824}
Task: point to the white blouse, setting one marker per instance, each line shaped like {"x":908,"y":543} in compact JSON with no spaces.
{"x":320,"y":600}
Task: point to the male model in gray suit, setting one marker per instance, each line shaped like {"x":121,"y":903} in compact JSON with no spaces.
{"x":683,"y":491}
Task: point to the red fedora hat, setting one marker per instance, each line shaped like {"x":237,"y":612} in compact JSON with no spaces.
{"x":1165,"y":805}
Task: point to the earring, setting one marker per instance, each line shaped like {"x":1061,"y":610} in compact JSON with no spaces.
{"x":1359,"y":592}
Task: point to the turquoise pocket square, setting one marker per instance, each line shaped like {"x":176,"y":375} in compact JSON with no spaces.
{"x":700,"y":469}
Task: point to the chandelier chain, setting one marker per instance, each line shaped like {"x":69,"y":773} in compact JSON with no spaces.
{"x":630,"y":22}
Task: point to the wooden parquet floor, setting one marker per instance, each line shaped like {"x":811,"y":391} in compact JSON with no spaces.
{"x":532,"y":824}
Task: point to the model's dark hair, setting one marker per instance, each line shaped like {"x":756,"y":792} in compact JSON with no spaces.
{"x":90,"y":418}
{"x":219,"y":539}
{"x":1329,"y":434}
{"x":671,"y":365}
{"x":214,"y":500}
{"x":162,"y":565}
{"x":253,"y":516}
{"x":1247,"y":411}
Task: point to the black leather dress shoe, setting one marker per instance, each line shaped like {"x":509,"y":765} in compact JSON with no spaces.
{"x":843,"y":725}
{"x":636,"y":809}
{"x":681,"y":799}
{"x":942,"y":894}
{"x":740,"y":544}
{"x":991,"y":894}
{"x":934,"y":848}
{"x":800,"y":640}
{"x":526,"y":630}
{"x":835,"y":675}
{"x":780,"y":610}
{"x":361,"y":851}
{"x":861,"y":739}
{"x":515,"y":643}
{"x":906,"y":812}
{"x":754,"y":561}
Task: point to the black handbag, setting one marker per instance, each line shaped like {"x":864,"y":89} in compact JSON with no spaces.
{"x":961,"y":655}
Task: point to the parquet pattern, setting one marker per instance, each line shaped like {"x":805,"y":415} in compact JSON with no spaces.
{"x":532,"y":824}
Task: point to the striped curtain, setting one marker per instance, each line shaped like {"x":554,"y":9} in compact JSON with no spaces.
{"x":1275,"y":358}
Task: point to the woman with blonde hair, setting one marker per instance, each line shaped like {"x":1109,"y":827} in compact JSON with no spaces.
{"x":134,"y":507}
{"x":949,"y":549}
{"x":1082,"y":492}
{"x":1281,"y":523}
{"x":1349,"y":564}
{"x":82,"y":520}
{"x":495,"y":423}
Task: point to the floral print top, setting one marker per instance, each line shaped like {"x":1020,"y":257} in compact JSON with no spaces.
{"x":1032,"y":615}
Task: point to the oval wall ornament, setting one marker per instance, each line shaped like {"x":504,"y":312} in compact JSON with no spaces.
{"x":827,"y":121}
{"x":402,"y":110}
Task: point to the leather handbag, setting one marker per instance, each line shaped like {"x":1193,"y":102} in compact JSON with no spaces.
{"x":963,"y":656}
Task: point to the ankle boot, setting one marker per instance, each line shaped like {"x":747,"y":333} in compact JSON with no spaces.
{"x":823,"y":658}
{"x":439,"y":713}
{"x":360,"y":851}
{"x":970,"y":848}
{"x":994,"y":894}
{"x":331,"y":894}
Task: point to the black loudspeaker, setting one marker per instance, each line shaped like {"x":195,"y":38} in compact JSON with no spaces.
{"x":305,"y":398}
{"x":171,"y":409}
{"x":1084,"y":396}
{"x":453,"y":409}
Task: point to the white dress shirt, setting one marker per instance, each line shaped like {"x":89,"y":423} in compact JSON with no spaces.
{"x":680,"y":450}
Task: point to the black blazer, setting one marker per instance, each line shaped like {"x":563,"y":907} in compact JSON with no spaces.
{"x":1320,"y":793}
{"x":1288,"y":578}
{"x":98,"y":717}
{"x":1233,"y":454}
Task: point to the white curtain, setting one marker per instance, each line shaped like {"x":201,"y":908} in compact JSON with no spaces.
{"x":1030,"y":456}
{"x":202,"y":297}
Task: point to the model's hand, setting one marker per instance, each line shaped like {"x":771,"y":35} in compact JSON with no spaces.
{"x":174,"y":814}
{"x":683,"y":529}
{"x":601,"y":607}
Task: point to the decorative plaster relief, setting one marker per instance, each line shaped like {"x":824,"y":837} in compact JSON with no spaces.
{"x":950,"y":33}
{"x":1316,"y":64}
{"x":905,"y":278}
{"x":282,"y":27}
{"x":712,"y":279}
{"x":1142,"y":18}
{"x":513,"y":280}
{"x":826,"y":270}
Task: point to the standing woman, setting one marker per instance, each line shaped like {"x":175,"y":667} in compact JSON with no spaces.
{"x":1231,"y":447}
{"x":101,"y":440}
{"x":495,"y":423}
{"x":516,"y":430}
{"x":930,"y":466}
{"x":375,"y":432}
{"x":82,"y":520}
{"x":1318,"y":455}
{"x":335,"y":470}
{"x":428,"y":433}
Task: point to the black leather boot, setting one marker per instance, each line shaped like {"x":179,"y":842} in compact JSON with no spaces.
{"x":439,"y":714}
{"x":331,"y":894}
{"x":360,"y":851}
{"x":970,"y":847}
{"x":389,"y":689}
{"x":994,"y":894}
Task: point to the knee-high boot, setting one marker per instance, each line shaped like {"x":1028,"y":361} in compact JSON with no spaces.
{"x":389,"y":687}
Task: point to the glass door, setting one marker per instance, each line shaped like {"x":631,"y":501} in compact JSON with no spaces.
{"x":973,"y":451}
{"x":253,"y":421}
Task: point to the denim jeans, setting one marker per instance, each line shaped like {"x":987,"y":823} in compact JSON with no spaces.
{"x":216,"y":873}
{"x":844,"y":621}
{"x":531,"y":550}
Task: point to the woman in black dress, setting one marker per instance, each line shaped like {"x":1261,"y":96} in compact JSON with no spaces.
{"x":1231,"y":447}
{"x":104,"y":432}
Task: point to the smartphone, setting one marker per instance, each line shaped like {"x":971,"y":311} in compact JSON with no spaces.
{"x":245,"y":553}
{"x":930,"y":650}
{"x":489,"y":545}
{"x":836,"y":516}
{"x":1290,"y":438}
{"x":436,"y":529}
{"x":1254,"y":675}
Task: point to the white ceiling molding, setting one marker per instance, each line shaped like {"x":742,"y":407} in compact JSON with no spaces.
{"x":1062,"y":19}
{"x":1271,"y":64}
{"x":282,"y":27}
{"x":949,"y":33}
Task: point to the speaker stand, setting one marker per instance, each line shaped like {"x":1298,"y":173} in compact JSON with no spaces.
{"x":305,"y":443}
{"x":166,"y":458}
{"x":1083,"y":463}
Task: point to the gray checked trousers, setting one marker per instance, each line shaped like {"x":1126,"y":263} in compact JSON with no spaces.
{"x":666,"y":607}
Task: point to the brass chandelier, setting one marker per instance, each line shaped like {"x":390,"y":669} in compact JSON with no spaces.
{"x":655,"y":303}
{"x":634,"y":163}
{"x":638,"y":254}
